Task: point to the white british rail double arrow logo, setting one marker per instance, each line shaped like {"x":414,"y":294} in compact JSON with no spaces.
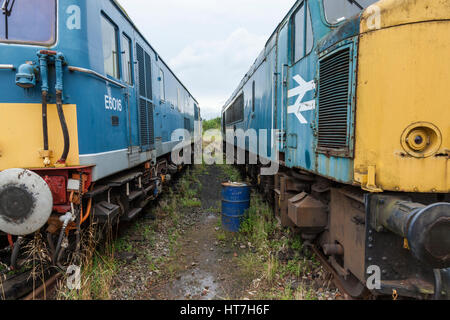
{"x":298,"y":107}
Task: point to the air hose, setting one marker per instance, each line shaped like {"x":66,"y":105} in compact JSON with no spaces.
{"x":64,"y":128}
{"x":59,"y":105}
{"x":15,"y":253}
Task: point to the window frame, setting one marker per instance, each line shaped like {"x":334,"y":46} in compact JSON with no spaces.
{"x":330,"y":24}
{"x":231,"y":110}
{"x":37,"y":43}
{"x":307,"y":22}
{"x":103,"y":15}
{"x":131,"y":57}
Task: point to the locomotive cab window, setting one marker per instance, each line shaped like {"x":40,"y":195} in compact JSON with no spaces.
{"x":110,"y":50}
{"x":302,"y":33}
{"x":298,"y":34}
{"x":127,"y":58}
{"x":19,"y":18}
{"x":235,"y":113}
{"x":337,"y":11}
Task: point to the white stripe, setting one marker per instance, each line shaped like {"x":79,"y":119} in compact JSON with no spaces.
{"x":101,"y":153}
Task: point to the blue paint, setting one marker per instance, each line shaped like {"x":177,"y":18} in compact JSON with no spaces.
{"x":43,"y":69}
{"x":59,"y":72}
{"x":275,"y":72}
{"x":25,"y":76}
{"x":79,"y":39}
{"x":235,"y":203}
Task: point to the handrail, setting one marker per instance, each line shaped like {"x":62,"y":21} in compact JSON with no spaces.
{"x":6,"y":67}
{"x":98,"y":75}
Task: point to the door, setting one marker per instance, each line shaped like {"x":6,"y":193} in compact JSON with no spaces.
{"x":301,"y":90}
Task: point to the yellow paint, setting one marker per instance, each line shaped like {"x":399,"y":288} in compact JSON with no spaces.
{"x":398,"y":12}
{"x":403,"y":78}
{"x":21,"y":140}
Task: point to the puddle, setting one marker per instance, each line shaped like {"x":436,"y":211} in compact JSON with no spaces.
{"x":200,"y":286}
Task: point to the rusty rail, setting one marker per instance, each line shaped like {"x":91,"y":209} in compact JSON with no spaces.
{"x":46,"y":288}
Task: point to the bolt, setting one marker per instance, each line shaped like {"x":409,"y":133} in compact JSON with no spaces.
{"x":418,"y":140}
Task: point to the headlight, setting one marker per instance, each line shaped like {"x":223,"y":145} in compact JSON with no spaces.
{"x":421,"y":140}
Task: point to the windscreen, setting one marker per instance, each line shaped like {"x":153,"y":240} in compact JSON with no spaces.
{"x":32,"y":21}
{"x":340,"y":10}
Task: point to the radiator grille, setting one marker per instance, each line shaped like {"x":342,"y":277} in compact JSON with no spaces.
{"x":141,"y":67}
{"x":143,"y":125}
{"x":151,"y":130}
{"x":334,"y":91}
{"x":148,"y":76}
{"x":146,"y":124}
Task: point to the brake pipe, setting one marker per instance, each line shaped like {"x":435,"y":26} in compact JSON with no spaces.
{"x":43,"y":64}
{"x":59,"y":104}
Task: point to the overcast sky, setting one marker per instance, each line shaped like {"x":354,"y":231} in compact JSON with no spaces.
{"x":209,"y":44}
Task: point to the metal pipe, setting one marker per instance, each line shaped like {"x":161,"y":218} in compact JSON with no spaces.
{"x":6,"y":67}
{"x":425,"y":227}
{"x":44,"y":120}
{"x":96,"y":74}
{"x":49,"y":283}
{"x":15,"y":253}
{"x":50,"y":243}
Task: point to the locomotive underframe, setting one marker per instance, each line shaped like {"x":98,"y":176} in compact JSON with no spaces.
{"x":347,"y":241}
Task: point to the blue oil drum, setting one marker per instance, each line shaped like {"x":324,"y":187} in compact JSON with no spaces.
{"x":235,"y":202}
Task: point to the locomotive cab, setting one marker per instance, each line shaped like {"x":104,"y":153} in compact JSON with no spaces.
{"x":359,"y":101}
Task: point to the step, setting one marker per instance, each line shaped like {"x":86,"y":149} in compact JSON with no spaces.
{"x":123,"y":179}
{"x":135,"y":194}
{"x":131,"y":215}
{"x":97,"y":191}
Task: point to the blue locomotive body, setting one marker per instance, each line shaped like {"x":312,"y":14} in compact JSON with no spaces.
{"x":77,"y":79}
{"x":345,"y":138}
{"x":128,"y":102}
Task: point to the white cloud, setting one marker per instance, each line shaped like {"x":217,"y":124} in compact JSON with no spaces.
{"x":209,"y":44}
{"x":217,"y":66}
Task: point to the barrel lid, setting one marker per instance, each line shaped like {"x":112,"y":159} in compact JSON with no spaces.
{"x":234,"y":184}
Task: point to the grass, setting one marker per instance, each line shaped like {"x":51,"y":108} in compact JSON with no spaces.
{"x":230,"y":173}
{"x":263,"y":263}
{"x":97,"y":269}
{"x":211,"y":124}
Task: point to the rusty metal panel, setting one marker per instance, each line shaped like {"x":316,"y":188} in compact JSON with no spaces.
{"x":347,"y":227}
{"x":307,"y":212}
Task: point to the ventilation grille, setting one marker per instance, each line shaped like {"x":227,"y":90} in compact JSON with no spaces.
{"x":148,"y":76}
{"x":146,"y":124}
{"x":141,"y":67}
{"x":334,"y":91}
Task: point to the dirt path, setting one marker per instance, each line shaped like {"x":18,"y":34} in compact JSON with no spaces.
{"x":211,"y":270}
{"x":178,"y":250}
{"x":184,"y":259}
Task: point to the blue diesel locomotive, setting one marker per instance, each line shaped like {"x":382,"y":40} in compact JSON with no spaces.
{"x":87,"y":113}
{"x":354,"y":97}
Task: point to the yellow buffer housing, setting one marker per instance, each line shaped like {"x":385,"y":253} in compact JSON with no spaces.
{"x":403,"y":82}
{"x":21,"y":138}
